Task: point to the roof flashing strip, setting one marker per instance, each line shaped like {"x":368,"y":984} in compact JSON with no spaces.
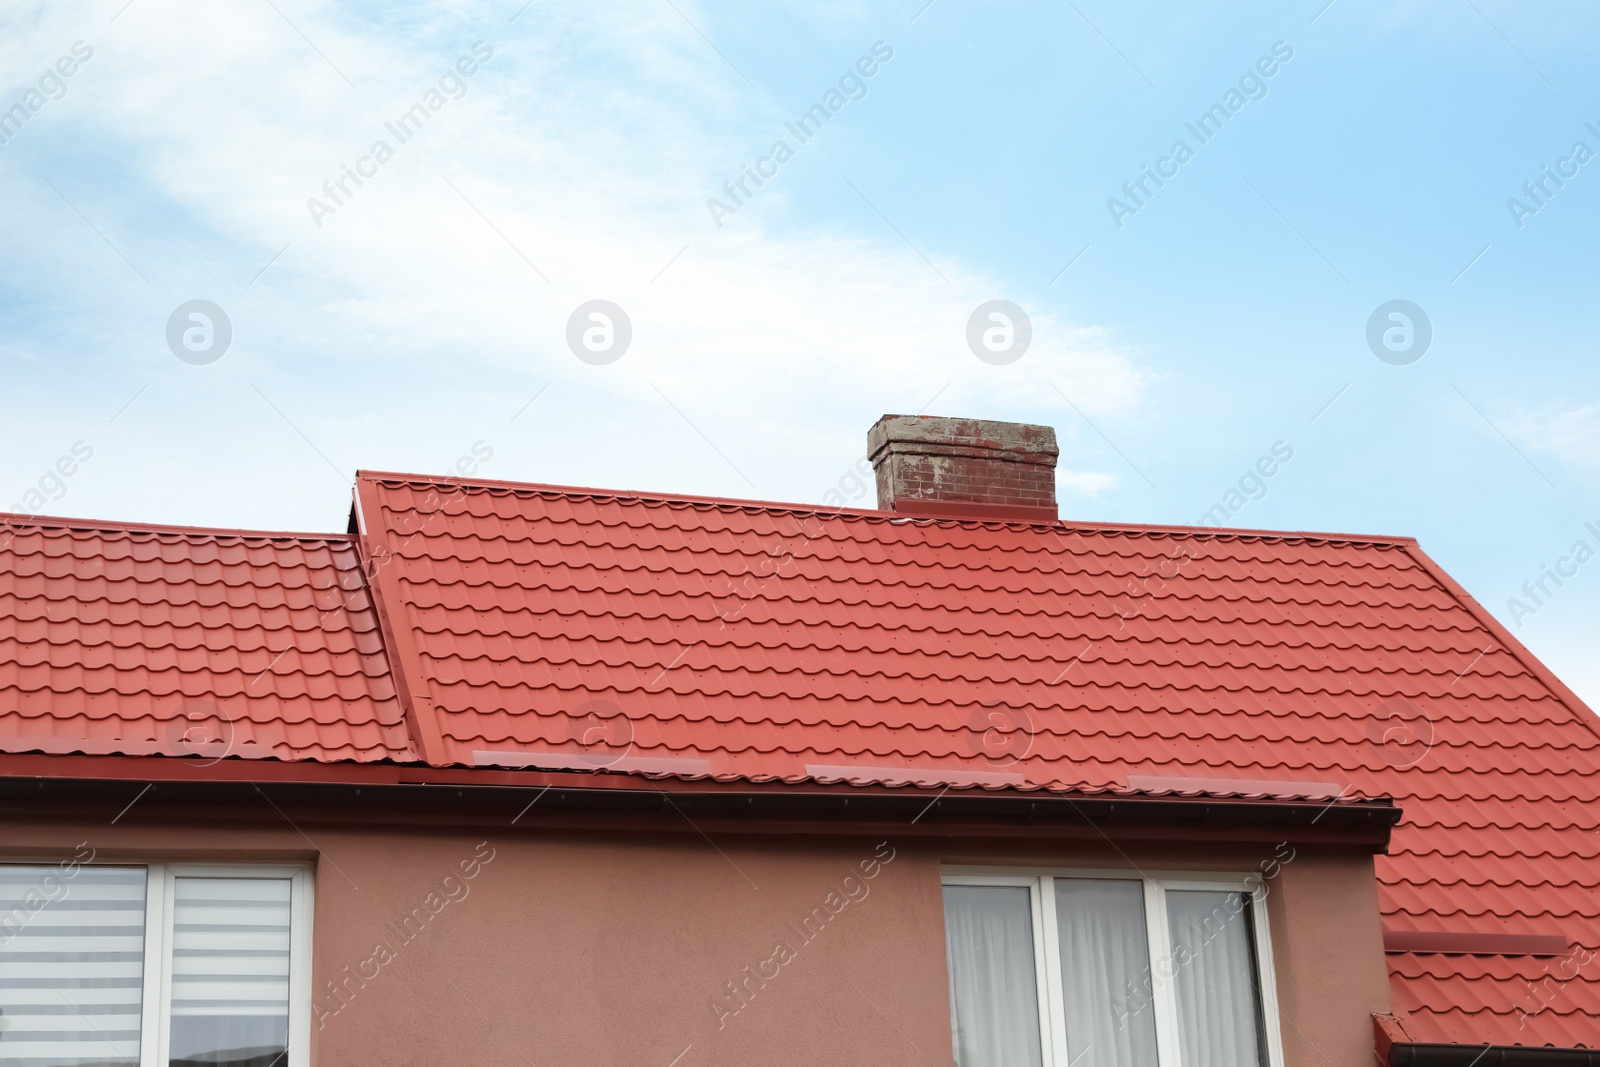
{"x":1441,"y":942}
{"x":581,"y":761}
{"x":1284,"y":790}
{"x":935,"y":777}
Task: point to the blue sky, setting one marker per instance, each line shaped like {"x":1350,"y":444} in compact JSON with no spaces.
{"x":414,"y":323}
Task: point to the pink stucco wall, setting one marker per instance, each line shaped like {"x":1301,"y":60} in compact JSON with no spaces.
{"x":567,"y":947}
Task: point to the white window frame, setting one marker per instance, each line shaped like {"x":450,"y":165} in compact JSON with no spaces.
{"x":155,"y":1023}
{"x":1040,"y":883}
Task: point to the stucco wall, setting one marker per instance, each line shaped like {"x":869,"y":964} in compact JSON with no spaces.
{"x":574,"y":947}
{"x":1327,"y":934}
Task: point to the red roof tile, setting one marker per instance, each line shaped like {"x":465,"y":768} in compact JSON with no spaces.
{"x":165,"y":641}
{"x":559,"y":628}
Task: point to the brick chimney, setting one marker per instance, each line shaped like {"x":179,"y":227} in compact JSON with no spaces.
{"x":964,"y":468}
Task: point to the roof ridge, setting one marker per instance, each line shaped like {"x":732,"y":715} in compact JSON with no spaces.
{"x":872,"y":514}
{"x":15,"y":519}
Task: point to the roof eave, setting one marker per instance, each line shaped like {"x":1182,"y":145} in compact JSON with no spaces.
{"x":768,"y":806}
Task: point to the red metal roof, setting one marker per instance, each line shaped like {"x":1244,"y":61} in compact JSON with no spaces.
{"x":571,"y":629}
{"x":203,"y":643}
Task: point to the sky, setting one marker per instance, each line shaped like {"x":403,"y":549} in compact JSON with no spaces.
{"x":1374,"y":251}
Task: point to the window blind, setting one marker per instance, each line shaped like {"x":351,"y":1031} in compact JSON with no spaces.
{"x":230,"y":972}
{"x":71,"y":965}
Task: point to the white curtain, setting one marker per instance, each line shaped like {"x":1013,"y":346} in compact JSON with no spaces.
{"x":1105,"y":973}
{"x":1213,"y":946}
{"x":230,"y":972}
{"x":71,"y":966}
{"x":994,"y":999}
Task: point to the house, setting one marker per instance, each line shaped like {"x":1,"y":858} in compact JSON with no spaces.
{"x":523,"y":775}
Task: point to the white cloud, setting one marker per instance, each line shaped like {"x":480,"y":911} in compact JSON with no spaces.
{"x":589,"y":144}
{"x":1573,"y":435}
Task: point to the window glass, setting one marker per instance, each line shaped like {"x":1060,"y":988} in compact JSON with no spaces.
{"x":230,"y":972}
{"x":71,"y":965}
{"x":1105,"y":973}
{"x":1213,"y":957}
{"x":994,"y":998}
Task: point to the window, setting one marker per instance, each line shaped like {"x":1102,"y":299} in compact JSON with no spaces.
{"x":154,"y":966}
{"x":1102,"y":969}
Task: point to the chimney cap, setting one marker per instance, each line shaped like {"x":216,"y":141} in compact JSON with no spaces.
{"x":1021,"y":441}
